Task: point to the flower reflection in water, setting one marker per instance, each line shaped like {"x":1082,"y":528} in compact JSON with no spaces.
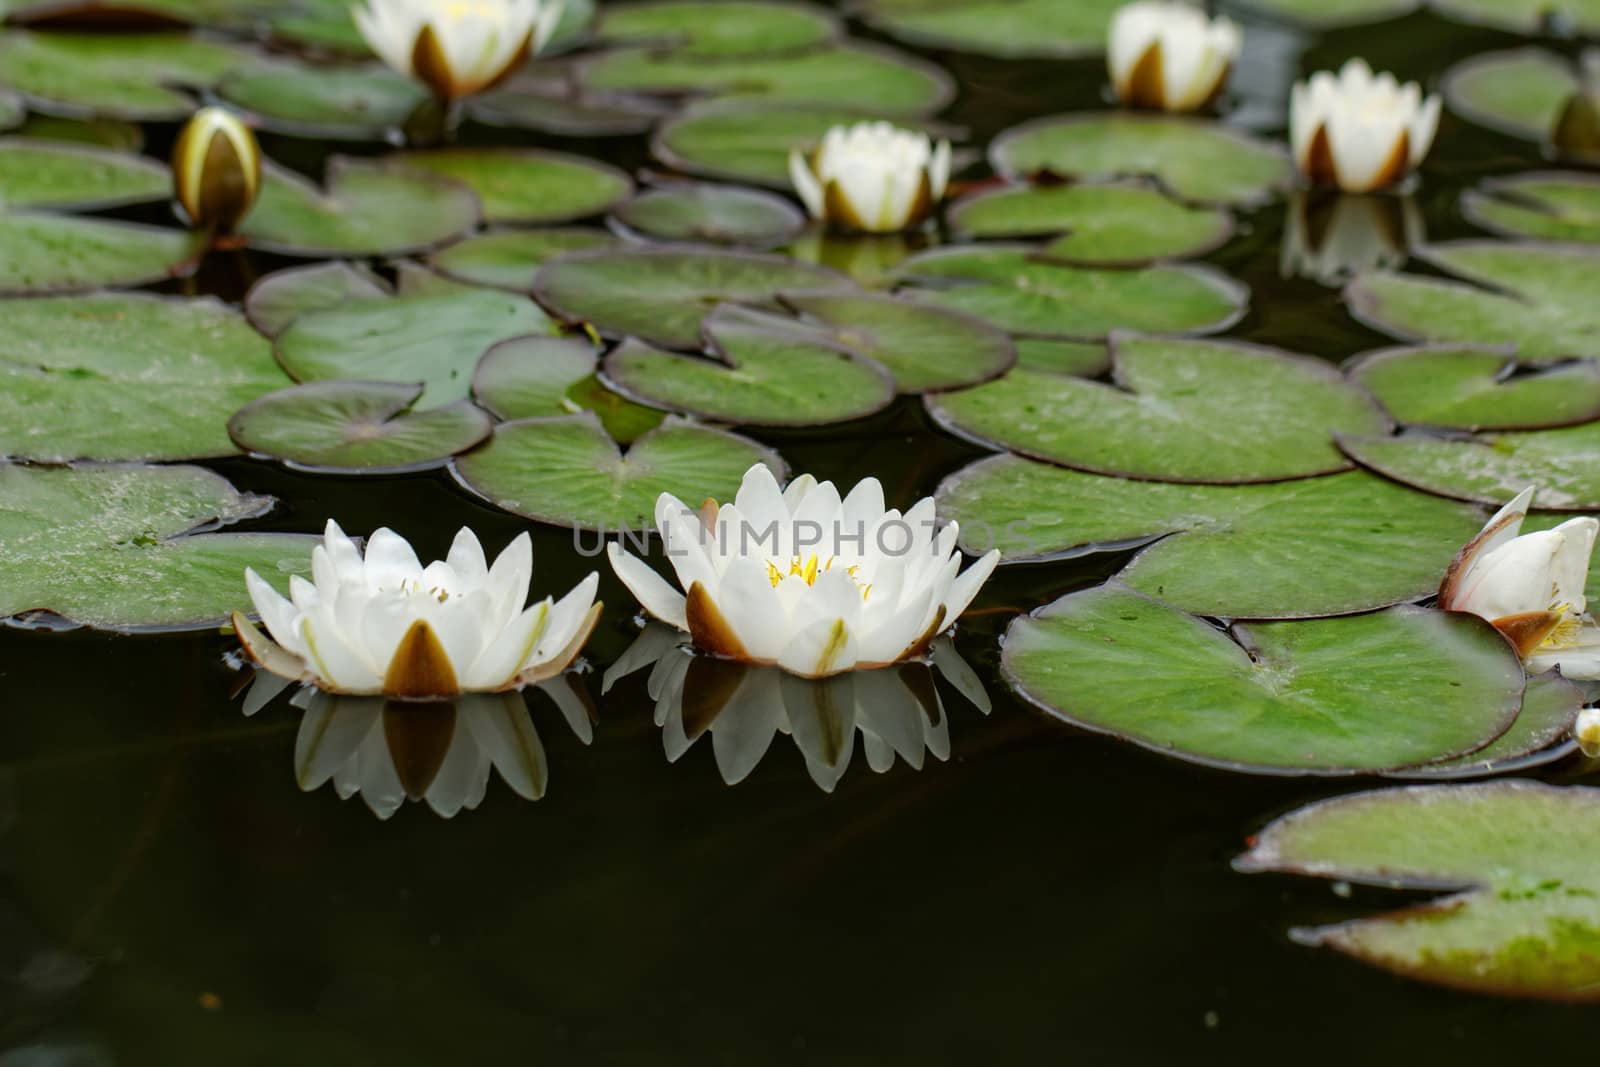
{"x":441,"y":752}
{"x":896,"y":710}
{"x":1329,"y":236}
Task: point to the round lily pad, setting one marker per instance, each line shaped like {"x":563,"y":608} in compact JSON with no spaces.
{"x":1047,"y":29}
{"x":1546,"y":205}
{"x":46,"y":253}
{"x":715,"y":29}
{"x":1196,"y":160}
{"x":1521,"y":854}
{"x":1268,"y":698}
{"x":539,"y":377}
{"x":545,"y":100}
{"x":760,"y":374}
{"x":1492,"y":469}
{"x":1112,"y":224}
{"x":567,"y":472}
{"x":137,"y":76}
{"x":1468,"y":388}
{"x":510,"y":259}
{"x":1018,"y":291}
{"x":369,"y":209}
{"x":1318,"y":14}
{"x":1520,"y":93}
{"x":114,"y":547}
{"x":1536,"y":297}
{"x":526,"y":186}
{"x":1542,"y":734}
{"x":1081,"y":358}
{"x":434,"y":339}
{"x":1310,"y":547}
{"x":126,"y":376}
{"x":925,"y":348}
{"x":283,"y":296}
{"x":711,"y":214}
{"x":103,"y":133}
{"x":36,"y":173}
{"x":663,"y":295}
{"x":344,"y":427}
{"x":1525,"y":16}
{"x":340,"y":102}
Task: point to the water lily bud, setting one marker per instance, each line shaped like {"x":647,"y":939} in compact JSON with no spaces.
{"x":1169,"y":56}
{"x":872,"y":177}
{"x":1329,"y":236}
{"x":1359,"y":131}
{"x":1587,"y":731}
{"x":216,"y":169}
{"x":457,"y":47}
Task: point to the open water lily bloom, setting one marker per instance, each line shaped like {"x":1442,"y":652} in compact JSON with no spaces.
{"x":872,"y":177}
{"x":803,"y":579}
{"x":382,"y":624}
{"x":1169,"y":56}
{"x":1360,"y":131}
{"x":1531,"y":587}
{"x":456,"y":47}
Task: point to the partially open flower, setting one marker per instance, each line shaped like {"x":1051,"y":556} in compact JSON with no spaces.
{"x":1169,"y":56}
{"x":872,"y":177}
{"x":216,"y":170}
{"x":804,"y":580}
{"x":457,"y":47}
{"x":1531,"y":587}
{"x":1587,"y":732}
{"x":1328,"y":236}
{"x":1359,"y":131}
{"x":386,"y":625}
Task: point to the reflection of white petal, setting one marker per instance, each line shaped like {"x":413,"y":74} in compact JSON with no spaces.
{"x":821,"y":716}
{"x":331,"y":731}
{"x":503,"y":729}
{"x":743,"y":731}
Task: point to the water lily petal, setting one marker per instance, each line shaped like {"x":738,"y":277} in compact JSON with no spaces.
{"x":653,"y":592}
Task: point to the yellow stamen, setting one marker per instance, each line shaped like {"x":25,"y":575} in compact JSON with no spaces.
{"x":808,"y":570}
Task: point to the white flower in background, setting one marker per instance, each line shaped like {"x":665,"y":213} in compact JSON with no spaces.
{"x":872,"y":177}
{"x":386,"y":625}
{"x":804,"y":580}
{"x":216,"y":169}
{"x":1329,"y":236}
{"x":1359,"y":131}
{"x":1169,"y":56}
{"x":1587,"y":731}
{"x":456,"y":47}
{"x":1531,"y":587}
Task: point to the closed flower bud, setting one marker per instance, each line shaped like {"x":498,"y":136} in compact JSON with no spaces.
{"x":872,"y":177}
{"x":1169,"y":56}
{"x":216,"y":170}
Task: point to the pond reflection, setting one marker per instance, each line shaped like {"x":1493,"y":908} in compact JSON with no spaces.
{"x":1329,"y":236}
{"x":896,"y":710}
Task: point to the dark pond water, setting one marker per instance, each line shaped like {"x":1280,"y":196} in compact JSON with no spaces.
{"x":169,"y":895}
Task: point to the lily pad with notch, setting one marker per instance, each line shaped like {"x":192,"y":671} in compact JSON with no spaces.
{"x":525,"y":186}
{"x":510,"y":259}
{"x":1541,"y":735}
{"x":1520,"y":93}
{"x":541,"y":377}
{"x":1543,"y":205}
{"x":343,"y":102}
{"x":1492,"y":468}
{"x":39,"y":173}
{"x":47,"y":253}
{"x":711,"y":214}
{"x":1525,"y":16}
{"x":278,"y":299}
{"x":1010,"y":29}
{"x":135,"y":76}
{"x":1475,"y":388}
{"x":717,"y":29}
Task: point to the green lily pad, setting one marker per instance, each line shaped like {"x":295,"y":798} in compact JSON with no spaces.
{"x":126,"y":376}
{"x":54,"y":174}
{"x":925,"y":348}
{"x":283,"y":296}
{"x":1016,"y":290}
{"x":342,"y":103}
{"x":712,"y":214}
{"x":567,"y":472}
{"x":1311,"y":547}
{"x":435,"y":339}
{"x":540,"y":377}
{"x":136,"y":76}
{"x":46,"y":253}
{"x":525,"y":186}
{"x":369,"y":209}
{"x":1321,"y":15}
{"x":761,"y":373}
{"x":101,"y":133}
{"x":1081,"y":358}
{"x":875,"y":79}
{"x":12,"y":110}
{"x":1114,"y":224}
{"x":510,"y":259}
{"x":1527,"y":918}
{"x":1546,"y":205}
{"x":543,"y":98}
{"x":1268,"y":698}
{"x":1196,"y":160}
{"x":345,"y":427}
{"x":716,"y":29}
{"x":663,"y":295}
{"x":1537,"y":297}
{"x":1542,"y":734}
{"x":1492,"y":469}
{"x":1525,"y":16}
{"x":112,"y":546}
{"x":1520,"y":93}
{"x":1047,"y":29}
{"x":1467,"y":388}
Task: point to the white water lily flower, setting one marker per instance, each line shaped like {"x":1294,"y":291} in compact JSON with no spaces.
{"x":872,"y":177}
{"x":801,"y":579}
{"x":384,"y":624}
{"x":456,"y":47}
{"x":1359,"y":131}
{"x":1169,"y":56}
{"x":1330,"y":236}
{"x":1587,"y":731}
{"x":1531,"y":587}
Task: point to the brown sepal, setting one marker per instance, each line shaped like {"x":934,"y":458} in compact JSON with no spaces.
{"x":420,"y":669}
{"x":709,"y":629}
{"x":1528,"y":630}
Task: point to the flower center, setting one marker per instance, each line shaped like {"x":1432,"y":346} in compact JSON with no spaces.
{"x":458,"y":10}
{"x":438,"y":592}
{"x":1565,"y":634}
{"x":808,"y":569}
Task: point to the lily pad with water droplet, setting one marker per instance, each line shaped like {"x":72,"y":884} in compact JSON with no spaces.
{"x":1525,"y":917}
{"x":1544,"y":205}
{"x":136,"y":76}
{"x":283,"y":296}
{"x":1492,"y":468}
{"x":1199,"y":161}
{"x":1542,"y":734}
{"x":36,"y":173}
{"x":1468,"y":388}
{"x":664,"y":295}
{"x":715,"y":29}
{"x":1317,"y":696}
{"x":1016,"y":290}
{"x":337,"y":102}
{"x":510,"y":259}
{"x":1315,"y":546}
{"x":1045,"y":29}
{"x":568,"y":472}
{"x":1520,"y":93}
{"x":1111,"y":224}
{"x":1525,"y":16}
{"x":711,"y":214}
{"x":517,"y":185}
{"x":1319,"y":14}
{"x":47,"y":253}
{"x":116,"y":547}
{"x":540,"y":377}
